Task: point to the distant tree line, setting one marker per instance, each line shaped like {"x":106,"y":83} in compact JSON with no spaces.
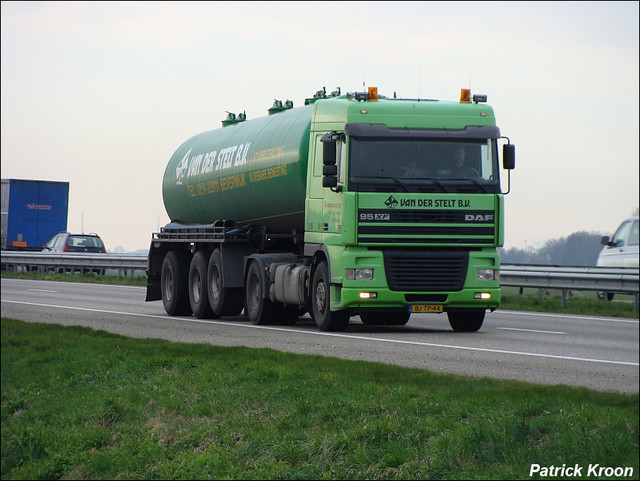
{"x":578,"y":249}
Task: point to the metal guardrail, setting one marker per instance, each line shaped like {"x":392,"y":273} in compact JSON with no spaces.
{"x":565,"y":278}
{"x":76,"y":262}
{"x":613,"y":280}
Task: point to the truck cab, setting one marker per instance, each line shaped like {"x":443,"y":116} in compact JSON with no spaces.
{"x":404,"y":205}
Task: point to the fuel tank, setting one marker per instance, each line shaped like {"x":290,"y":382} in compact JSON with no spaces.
{"x":250,"y":172}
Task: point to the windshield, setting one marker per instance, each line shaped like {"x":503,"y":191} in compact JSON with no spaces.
{"x":423,"y":165}
{"x":85,"y":241}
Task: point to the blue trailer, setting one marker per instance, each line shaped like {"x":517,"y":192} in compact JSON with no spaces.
{"x":33,"y":211}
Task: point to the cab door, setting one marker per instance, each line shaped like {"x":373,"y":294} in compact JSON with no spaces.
{"x":617,"y":252}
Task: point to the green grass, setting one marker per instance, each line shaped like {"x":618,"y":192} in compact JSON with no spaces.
{"x":84,"y":404}
{"x":578,"y":302}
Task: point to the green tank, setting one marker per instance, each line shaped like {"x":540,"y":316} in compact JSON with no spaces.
{"x":250,"y":172}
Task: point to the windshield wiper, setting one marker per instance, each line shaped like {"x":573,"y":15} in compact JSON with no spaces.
{"x":380,"y":181}
{"x":479,"y":184}
{"x":434,"y":182}
{"x":397,"y":182}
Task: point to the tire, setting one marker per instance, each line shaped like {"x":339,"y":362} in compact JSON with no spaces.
{"x":224,"y":301}
{"x":466,"y":320}
{"x":198,"y":299}
{"x":260,"y":311}
{"x":174,"y":281}
{"x":326,"y":319}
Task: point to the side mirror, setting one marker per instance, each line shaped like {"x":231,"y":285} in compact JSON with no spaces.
{"x":509,"y":156}
{"x":605,"y":241}
{"x":329,"y":161}
{"x":330,"y":170}
{"x":329,"y":181}
{"x":329,"y":152}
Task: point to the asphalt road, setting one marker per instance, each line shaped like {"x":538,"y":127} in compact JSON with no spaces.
{"x":594,"y":352}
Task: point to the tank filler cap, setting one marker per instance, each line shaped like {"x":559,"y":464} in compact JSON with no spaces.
{"x":233,"y":119}
{"x":276,"y":107}
{"x":320,"y":94}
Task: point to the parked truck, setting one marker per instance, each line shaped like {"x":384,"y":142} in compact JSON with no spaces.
{"x":351,"y":205}
{"x":33,"y":211}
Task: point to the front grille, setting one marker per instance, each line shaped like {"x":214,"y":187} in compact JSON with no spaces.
{"x":433,"y":271}
{"x":423,"y":230}
{"x":459,"y":227}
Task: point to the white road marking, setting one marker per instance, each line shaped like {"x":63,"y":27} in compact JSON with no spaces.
{"x":333,"y":334}
{"x":529,"y":330}
{"x":568,"y":316}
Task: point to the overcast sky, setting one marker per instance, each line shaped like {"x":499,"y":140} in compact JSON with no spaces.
{"x":101,"y":94}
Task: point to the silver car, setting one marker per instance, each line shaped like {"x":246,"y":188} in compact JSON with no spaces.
{"x":622,"y":249}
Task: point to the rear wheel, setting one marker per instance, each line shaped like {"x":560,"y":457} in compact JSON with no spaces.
{"x":198,"y":286}
{"x":174,"y":281}
{"x":224,"y":301}
{"x":326,"y":319}
{"x":261,"y":311}
{"x":466,"y":321}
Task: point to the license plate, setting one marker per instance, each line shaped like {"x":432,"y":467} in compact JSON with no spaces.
{"x":426,"y":308}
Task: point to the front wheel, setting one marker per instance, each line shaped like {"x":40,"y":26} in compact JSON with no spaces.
{"x":326,"y":319}
{"x":466,"y":320}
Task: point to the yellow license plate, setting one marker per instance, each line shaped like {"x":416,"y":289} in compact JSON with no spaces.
{"x":426,"y":308}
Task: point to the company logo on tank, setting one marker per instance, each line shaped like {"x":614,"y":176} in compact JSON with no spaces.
{"x":188,"y":167}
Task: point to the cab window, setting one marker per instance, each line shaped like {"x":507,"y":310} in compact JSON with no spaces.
{"x":620,"y":237}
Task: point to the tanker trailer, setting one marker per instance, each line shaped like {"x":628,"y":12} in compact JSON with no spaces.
{"x":351,"y":205}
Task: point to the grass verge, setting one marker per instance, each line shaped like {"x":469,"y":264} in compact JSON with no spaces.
{"x":584,"y":303}
{"x":84,"y":404}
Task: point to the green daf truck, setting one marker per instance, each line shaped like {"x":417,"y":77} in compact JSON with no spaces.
{"x":351,"y":205}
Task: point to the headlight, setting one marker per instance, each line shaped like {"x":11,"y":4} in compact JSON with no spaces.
{"x":488,"y":275}
{"x":359,"y":274}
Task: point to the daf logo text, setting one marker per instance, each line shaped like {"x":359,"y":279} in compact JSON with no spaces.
{"x":478,"y":218}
